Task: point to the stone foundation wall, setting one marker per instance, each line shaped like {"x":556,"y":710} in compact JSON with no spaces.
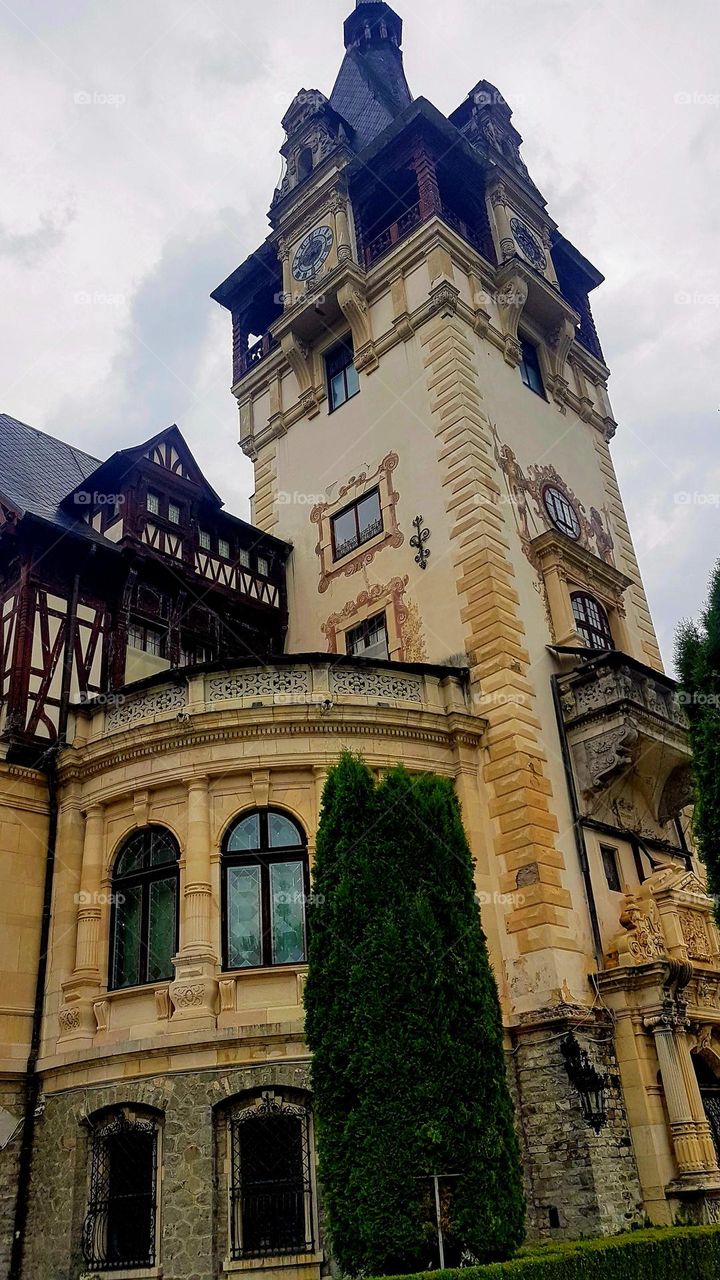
{"x":11,"y":1100}
{"x":578,"y":1183}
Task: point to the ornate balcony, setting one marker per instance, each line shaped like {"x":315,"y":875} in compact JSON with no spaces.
{"x":412,"y":218}
{"x":622,"y":720}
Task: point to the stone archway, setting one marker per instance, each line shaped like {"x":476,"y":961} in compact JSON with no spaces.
{"x":709,"y":1084}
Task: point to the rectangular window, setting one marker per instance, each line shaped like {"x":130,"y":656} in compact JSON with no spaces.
{"x":356,"y":524}
{"x":611,"y":867}
{"x":146,"y":638}
{"x":287,"y":912}
{"x":244,"y":919}
{"x":342,"y":376}
{"x":120,"y":1224}
{"x":173,"y":512}
{"x":262,"y":566}
{"x":224,"y":548}
{"x":153,"y":503}
{"x":204,"y":539}
{"x":530,"y":367}
{"x":369,"y":639}
{"x":192,"y":654}
{"x":270,"y":1185}
{"x":244,"y":558}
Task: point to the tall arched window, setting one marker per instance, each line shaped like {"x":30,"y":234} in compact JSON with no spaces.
{"x":119,"y":1231}
{"x":145,"y":909}
{"x":270,"y":1177}
{"x":265,"y":887}
{"x":591,"y":621}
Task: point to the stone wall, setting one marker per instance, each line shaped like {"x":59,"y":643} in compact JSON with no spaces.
{"x":193,"y":1237}
{"x":11,"y":1099}
{"x":578,"y":1183}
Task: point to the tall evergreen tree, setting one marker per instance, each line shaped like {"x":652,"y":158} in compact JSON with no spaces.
{"x":404,"y":1025}
{"x":698,"y":661}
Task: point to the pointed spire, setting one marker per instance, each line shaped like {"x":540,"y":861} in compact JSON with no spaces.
{"x":371,"y":89}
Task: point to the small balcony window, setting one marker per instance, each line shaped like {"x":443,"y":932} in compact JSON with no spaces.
{"x":591,"y":621}
{"x":224,"y":548}
{"x":149,"y":639}
{"x":153,"y":503}
{"x":357,"y":524}
{"x":342,"y":376}
{"x":204,"y":539}
{"x":530,"y":367}
{"x":369,"y":639}
{"x":173,"y":513}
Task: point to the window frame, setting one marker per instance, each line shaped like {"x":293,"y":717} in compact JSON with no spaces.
{"x":224,"y":542}
{"x":364,"y":625}
{"x":174,"y":506}
{"x":144,"y":877}
{"x":152,"y":497}
{"x":610,"y":853}
{"x":109,"y":1123}
{"x":204,"y":540}
{"x":571,"y":530}
{"x":527,"y":345}
{"x":346,"y":345}
{"x":361,"y":541}
{"x":593,"y":631}
{"x":264,"y":857}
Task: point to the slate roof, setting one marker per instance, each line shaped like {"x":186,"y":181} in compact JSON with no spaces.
{"x":371,"y":89}
{"x":37,"y":471}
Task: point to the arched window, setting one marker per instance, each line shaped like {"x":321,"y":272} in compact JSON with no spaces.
{"x":270,"y":1177}
{"x":120,"y":1225}
{"x":265,"y":886}
{"x":591,"y":621}
{"x":145,"y":909}
{"x":304,"y":164}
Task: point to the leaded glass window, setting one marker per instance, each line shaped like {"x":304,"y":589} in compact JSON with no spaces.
{"x":145,"y":909}
{"x":119,"y":1231}
{"x":265,"y":885}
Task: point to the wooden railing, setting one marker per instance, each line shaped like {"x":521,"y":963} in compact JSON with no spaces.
{"x":408,"y":221}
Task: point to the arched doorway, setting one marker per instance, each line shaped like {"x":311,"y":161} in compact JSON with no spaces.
{"x":710,"y":1093}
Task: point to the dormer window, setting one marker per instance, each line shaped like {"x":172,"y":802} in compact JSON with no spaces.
{"x":153,"y":503}
{"x":204,"y":539}
{"x":173,"y":513}
{"x":224,"y":548}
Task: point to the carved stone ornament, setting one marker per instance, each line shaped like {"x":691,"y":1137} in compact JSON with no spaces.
{"x":643,"y":941}
{"x":69,"y":1020}
{"x":695,"y":935}
{"x":601,"y":758}
{"x":259,"y":682}
{"x":132,"y":709}
{"x":188,"y":997}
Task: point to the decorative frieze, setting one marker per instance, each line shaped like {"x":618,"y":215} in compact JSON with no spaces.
{"x":132,"y":709}
{"x":376,"y":684}
{"x":258,"y":682}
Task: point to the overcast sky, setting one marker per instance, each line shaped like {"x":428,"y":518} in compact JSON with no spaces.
{"x":140,"y":153}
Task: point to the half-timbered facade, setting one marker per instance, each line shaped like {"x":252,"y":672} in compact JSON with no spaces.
{"x":113,"y":571}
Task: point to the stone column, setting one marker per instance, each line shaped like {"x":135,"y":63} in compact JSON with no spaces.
{"x":704,"y":1135}
{"x":689,"y":1154}
{"x":194,"y":991}
{"x":342,"y":233}
{"x":76,"y":1017}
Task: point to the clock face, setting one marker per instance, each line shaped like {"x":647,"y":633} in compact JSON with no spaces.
{"x":528,"y":244}
{"x":311,"y":253}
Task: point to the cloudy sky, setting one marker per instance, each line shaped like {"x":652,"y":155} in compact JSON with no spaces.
{"x":140,"y":152}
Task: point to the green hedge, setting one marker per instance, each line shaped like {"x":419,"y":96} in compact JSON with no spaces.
{"x":670,"y":1253}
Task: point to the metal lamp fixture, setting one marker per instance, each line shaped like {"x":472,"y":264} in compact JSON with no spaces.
{"x":588,"y":1082}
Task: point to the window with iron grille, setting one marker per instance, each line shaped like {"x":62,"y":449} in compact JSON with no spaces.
{"x":356,"y":524}
{"x":144,"y":924}
{"x":369,"y":639}
{"x":119,"y":1231}
{"x":271,"y":1203}
{"x":562,"y":512}
{"x":265,"y":889}
{"x":591,"y":621}
{"x":530,"y":367}
{"x":342,"y":376}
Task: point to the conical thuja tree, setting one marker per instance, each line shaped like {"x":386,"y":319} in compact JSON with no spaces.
{"x":698,"y":662}
{"x":404,"y":1025}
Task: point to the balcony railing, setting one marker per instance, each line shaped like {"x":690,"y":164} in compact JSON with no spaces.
{"x":408,"y":221}
{"x":247,"y":360}
{"x":351,"y":544}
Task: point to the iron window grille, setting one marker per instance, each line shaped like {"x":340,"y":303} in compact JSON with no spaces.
{"x":356,"y":524}
{"x":591,"y":621}
{"x":271,"y":1203}
{"x":709,"y":1085}
{"x":144,"y":926}
{"x":342,"y":377}
{"x":530,"y":367}
{"x":369,"y":639}
{"x":265,"y":889}
{"x":561,"y":512}
{"x":119,"y":1231}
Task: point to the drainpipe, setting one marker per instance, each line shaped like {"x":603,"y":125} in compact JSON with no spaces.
{"x":577,"y":824}
{"x":48,"y":763}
